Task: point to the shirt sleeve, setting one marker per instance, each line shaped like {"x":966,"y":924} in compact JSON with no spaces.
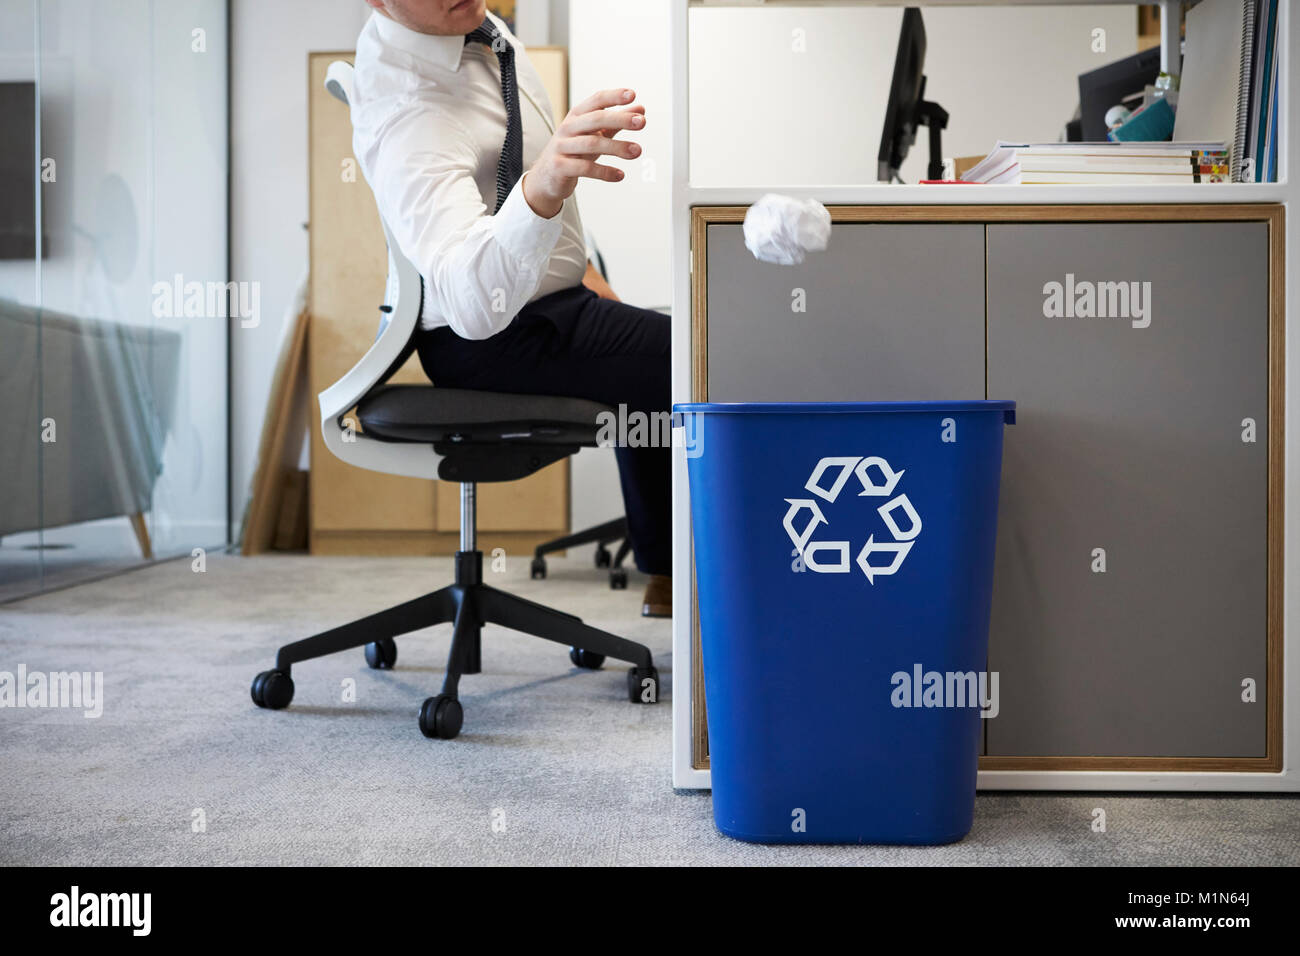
{"x":481,"y":268}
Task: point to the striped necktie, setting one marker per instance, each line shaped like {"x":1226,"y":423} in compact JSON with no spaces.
{"x":511,"y":164}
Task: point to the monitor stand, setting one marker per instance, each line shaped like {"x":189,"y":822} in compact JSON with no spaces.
{"x":936,"y":117}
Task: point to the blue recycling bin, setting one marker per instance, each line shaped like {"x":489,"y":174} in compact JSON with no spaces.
{"x":844,"y":571}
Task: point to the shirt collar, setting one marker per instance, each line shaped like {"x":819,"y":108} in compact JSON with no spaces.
{"x":441,"y":51}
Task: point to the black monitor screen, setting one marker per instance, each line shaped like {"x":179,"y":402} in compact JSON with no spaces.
{"x":18,"y":170}
{"x":1111,"y":85}
{"x":905,"y":91}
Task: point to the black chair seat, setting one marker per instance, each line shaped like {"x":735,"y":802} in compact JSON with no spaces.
{"x":423,"y":413}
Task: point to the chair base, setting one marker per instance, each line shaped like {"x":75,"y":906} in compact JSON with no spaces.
{"x":467,"y":605}
{"x":603,"y":535}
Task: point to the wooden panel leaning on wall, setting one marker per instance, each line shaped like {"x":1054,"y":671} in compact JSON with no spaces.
{"x":354,"y":511}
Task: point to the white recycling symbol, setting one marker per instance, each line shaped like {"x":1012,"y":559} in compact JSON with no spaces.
{"x":836,"y":560}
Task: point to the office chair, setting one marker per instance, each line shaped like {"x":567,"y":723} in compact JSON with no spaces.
{"x":604,"y":535}
{"x":457,"y":435}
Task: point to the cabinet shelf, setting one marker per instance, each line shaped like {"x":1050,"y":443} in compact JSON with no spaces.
{"x":882,"y":194}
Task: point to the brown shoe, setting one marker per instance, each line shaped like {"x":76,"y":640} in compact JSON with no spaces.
{"x":658,"y":600}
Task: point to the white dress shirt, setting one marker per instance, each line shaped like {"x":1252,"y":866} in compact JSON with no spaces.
{"x":428,"y":124}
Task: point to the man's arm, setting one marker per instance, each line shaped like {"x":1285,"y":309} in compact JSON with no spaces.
{"x":481,"y":268}
{"x":484,"y":268}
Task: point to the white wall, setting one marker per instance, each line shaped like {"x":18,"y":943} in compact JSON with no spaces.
{"x":270,"y":43}
{"x":802,"y":96}
{"x":624,"y":43}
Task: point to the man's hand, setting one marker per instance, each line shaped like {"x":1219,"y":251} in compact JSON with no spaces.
{"x":594,"y":281}
{"x":583,"y":136}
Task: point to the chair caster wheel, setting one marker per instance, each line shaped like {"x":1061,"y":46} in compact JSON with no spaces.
{"x":642,"y":685}
{"x":537,"y":569}
{"x":618,"y":579}
{"x":603,"y":558}
{"x":272,"y":690}
{"x":441,"y":717}
{"x":588,"y":659}
{"x":382,"y":655}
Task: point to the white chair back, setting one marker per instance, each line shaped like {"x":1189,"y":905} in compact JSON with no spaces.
{"x":402,"y":317}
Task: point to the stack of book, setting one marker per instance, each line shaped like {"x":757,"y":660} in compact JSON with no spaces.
{"x":1103,"y":163}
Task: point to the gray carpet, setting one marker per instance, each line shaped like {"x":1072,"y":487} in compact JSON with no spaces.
{"x":569,"y":772}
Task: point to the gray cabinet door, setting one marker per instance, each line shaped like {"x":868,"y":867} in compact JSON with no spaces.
{"x":1129,"y":449}
{"x":886,"y":312}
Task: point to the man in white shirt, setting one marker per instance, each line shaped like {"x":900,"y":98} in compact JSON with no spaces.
{"x":454,"y":132}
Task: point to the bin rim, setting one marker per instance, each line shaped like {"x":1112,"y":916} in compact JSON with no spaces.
{"x":794,"y":408}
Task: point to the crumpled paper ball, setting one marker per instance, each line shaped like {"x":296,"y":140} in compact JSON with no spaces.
{"x":782,"y":229}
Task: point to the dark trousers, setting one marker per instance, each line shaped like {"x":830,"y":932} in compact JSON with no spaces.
{"x":576,"y":344}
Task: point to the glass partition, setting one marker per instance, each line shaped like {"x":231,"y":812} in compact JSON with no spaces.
{"x":20,"y":391}
{"x":114,"y":338}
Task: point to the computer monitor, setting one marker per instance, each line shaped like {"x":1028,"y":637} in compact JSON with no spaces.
{"x":907,"y":108}
{"x":1113,"y":85}
{"x":18,"y":171}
